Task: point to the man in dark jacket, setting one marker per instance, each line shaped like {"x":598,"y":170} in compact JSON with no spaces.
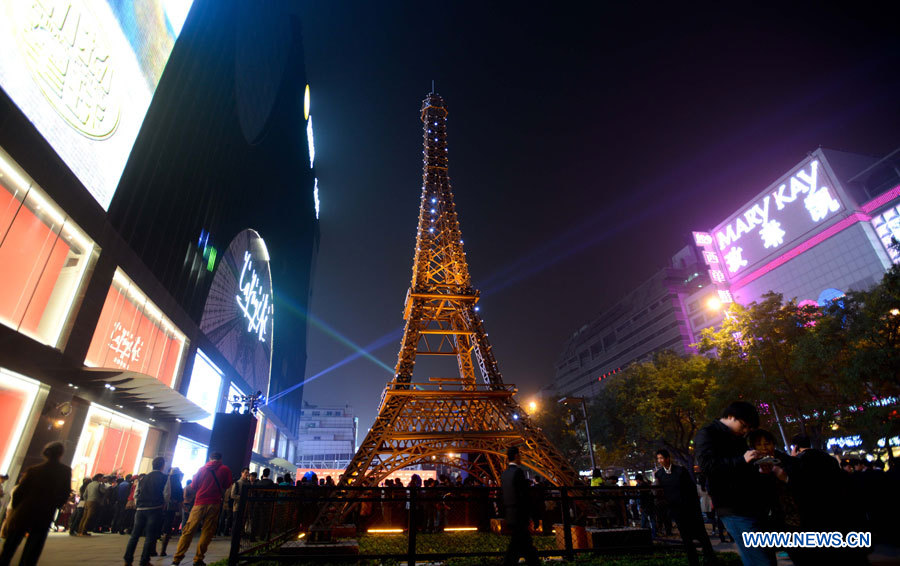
{"x":684,"y":505}
{"x":43,"y":489}
{"x":149,"y":509}
{"x":123,"y":488}
{"x":733,"y":478}
{"x":517,"y":503}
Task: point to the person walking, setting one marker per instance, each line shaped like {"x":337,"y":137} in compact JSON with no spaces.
{"x":235,"y":498}
{"x":42,"y":490}
{"x":517,"y":505}
{"x":93,"y":496}
{"x":188,"y":503}
{"x":733,"y":478}
{"x":680,"y":492}
{"x":123,"y":488}
{"x":148,"y":516}
{"x":210,"y":483}
{"x":174,"y":496}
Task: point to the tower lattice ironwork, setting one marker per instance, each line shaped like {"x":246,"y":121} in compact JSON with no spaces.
{"x":458,"y":421}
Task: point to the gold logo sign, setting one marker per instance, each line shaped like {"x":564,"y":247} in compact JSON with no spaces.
{"x":69,"y":58}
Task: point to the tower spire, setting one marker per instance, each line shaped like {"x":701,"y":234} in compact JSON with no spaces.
{"x":465,"y":422}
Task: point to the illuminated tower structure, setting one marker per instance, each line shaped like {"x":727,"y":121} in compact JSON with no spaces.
{"x":460,"y":421}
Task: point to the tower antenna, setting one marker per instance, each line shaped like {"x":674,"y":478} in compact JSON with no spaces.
{"x":432,"y":86}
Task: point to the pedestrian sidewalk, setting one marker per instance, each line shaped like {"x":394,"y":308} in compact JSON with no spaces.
{"x":107,"y":550}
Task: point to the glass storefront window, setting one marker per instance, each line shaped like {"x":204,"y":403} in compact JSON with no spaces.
{"x":44,"y":258}
{"x":206,"y":382}
{"x":17,"y":395}
{"x":134,"y":335}
{"x":233,"y":392}
{"x":189,"y":457}
{"x":257,"y":436}
{"x":110,"y":443}
{"x":282,"y":446}
{"x":269,"y":440}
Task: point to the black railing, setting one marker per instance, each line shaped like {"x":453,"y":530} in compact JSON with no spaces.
{"x":280,"y":524}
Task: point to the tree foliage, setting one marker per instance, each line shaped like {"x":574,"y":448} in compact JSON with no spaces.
{"x":820,"y":369}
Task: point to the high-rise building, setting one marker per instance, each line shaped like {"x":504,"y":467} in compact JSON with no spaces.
{"x":328,"y":436}
{"x":649,"y":319}
{"x":821,"y":229}
{"x":157,"y":228}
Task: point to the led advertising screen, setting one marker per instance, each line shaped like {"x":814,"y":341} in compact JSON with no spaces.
{"x":779,"y":218}
{"x":239,"y":313}
{"x":84,"y":72}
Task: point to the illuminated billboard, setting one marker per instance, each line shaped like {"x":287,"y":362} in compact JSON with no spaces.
{"x":134,"y":335}
{"x":777,"y":219}
{"x":887,"y":226}
{"x":239,"y":313}
{"x":84,"y":72}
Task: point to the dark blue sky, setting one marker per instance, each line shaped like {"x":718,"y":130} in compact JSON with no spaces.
{"x":585,"y":145}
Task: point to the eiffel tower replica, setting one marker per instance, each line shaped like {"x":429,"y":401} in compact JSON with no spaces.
{"x":458,"y":421}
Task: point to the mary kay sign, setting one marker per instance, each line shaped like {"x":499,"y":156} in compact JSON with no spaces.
{"x":778,"y":218}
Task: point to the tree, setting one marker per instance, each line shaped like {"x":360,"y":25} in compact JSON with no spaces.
{"x":661,"y":403}
{"x":758,"y":346}
{"x":564,"y":428}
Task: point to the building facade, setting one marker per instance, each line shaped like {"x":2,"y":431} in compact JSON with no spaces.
{"x":156,"y":196}
{"x":649,"y":319}
{"x":328,"y":436}
{"x":822,"y":229}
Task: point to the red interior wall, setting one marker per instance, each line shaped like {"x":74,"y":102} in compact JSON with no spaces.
{"x":12,"y":403}
{"x":24,"y":252}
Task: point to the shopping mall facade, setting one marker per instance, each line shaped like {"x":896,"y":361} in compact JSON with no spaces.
{"x":156,"y":192}
{"x":821,"y":229}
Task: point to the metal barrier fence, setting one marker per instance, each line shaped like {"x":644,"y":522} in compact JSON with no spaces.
{"x":274,"y":523}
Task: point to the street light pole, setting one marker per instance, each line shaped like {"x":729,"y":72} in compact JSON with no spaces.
{"x":587,"y":428}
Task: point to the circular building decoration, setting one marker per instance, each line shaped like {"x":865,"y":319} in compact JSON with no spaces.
{"x":238,"y":316}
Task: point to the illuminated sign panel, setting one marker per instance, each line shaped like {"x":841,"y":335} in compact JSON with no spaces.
{"x":84,"y":72}
{"x":239,"y":314}
{"x":887,"y":226}
{"x":134,"y":335}
{"x":778,"y":218}
{"x":253,"y":299}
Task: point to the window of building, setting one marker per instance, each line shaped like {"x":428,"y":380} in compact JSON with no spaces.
{"x":269,"y":440}
{"x":257,"y":436}
{"x":189,"y":456}
{"x":206,"y":382}
{"x":110,"y":442}
{"x":44,"y":257}
{"x":609,"y":340}
{"x":17,"y":396}
{"x":133,"y":334}
{"x":234,"y":396}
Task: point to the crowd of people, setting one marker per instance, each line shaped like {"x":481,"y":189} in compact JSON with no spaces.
{"x":745,"y":484}
{"x":742,"y":483}
{"x":155,"y":506}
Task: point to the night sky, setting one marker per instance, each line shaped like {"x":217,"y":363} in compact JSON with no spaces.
{"x":584,"y":148}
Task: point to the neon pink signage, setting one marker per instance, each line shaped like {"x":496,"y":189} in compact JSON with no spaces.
{"x":779,"y":217}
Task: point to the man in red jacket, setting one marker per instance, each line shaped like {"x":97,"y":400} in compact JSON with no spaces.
{"x":210,"y":484}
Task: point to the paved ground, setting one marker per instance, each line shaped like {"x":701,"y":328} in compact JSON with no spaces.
{"x":107,"y":550}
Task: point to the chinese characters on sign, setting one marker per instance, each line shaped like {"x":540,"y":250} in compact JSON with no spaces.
{"x":125,"y":345}
{"x":778,"y":217}
{"x":253,"y":300}
{"x":71,"y":63}
{"x":705,"y":242}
